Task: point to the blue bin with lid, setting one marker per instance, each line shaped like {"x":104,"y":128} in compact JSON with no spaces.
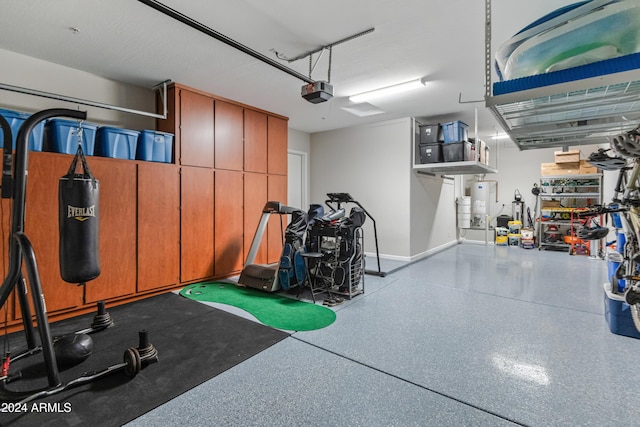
{"x":16,"y":119}
{"x":155,"y":146}
{"x":455,"y":132}
{"x":62,"y":136}
{"x":116,"y":142}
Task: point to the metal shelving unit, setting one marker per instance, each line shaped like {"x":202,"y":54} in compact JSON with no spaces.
{"x":467,"y":167}
{"x":471,"y":167}
{"x":572,"y":194}
{"x":586,"y":111}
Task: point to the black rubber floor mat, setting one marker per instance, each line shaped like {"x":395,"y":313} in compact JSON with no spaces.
{"x":195,"y":342}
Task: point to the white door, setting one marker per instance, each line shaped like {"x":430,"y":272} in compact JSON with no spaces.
{"x":297,"y":180}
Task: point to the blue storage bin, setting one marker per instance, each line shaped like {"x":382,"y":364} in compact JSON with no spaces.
{"x":615,"y":217}
{"x":618,"y":315}
{"x":61,"y":136}
{"x":16,"y":119}
{"x":455,"y":131}
{"x":621,"y":242}
{"x":117,"y":143}
{"x":614,"y":259}
{"x":155,"y":146}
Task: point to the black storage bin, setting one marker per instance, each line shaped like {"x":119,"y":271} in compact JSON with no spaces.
{"x":430,"y":134}
{"x":454,"y":151}
{"x":503,"y":221}
{"x":431,"y":153}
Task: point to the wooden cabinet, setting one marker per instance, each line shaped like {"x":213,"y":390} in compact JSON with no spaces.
{"x":164,"y":225}
{"x":196,"y":129}
{"x":255,"y":197}
{"x":158,"y":226}
{"x":276,"y":191}
{"x":277,"y":140}
{"x":118,"y":194}
{"x":228,"y":136}
{"x":255,"y":141}
{"x":196,"y":223}
{"x":229,"y":224}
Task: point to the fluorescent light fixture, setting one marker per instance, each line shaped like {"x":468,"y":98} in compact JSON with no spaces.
{"x":500,"y":136}
{"x":389,"y":90}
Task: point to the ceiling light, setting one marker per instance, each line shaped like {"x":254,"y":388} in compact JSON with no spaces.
{"x":388,"y":90}
{"x":363,"y":109}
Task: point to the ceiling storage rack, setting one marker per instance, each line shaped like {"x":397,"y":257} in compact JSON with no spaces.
{"x":470,"y":167}
{"x":473,"y":166}
{"x":587,"y":104}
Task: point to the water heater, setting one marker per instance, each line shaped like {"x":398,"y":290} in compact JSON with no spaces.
{"x":479,"y":204}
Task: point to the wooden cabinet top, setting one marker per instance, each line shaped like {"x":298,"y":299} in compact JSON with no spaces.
{"x":219,"y":98}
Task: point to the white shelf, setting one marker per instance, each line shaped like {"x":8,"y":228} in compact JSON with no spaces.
{"x":455,"y":168}
{"x":574,"y":176}
{"x":569,"y":195}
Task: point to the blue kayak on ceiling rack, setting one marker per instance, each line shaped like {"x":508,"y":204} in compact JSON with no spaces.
{"x":572,"y":36}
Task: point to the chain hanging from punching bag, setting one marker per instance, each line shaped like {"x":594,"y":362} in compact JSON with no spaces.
{"x":78,"y":219}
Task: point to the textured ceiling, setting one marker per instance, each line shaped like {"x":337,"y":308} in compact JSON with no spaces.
{"x":127,"y":41}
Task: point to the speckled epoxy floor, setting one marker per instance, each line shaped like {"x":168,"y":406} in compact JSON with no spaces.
{"x":473,"y":335}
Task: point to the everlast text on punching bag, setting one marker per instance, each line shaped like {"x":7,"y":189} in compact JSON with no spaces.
{"x":78,"y":207}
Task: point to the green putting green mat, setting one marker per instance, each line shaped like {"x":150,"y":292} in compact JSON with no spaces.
{"x":271,"y":309}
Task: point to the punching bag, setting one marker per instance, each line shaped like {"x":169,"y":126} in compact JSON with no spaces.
{"x":78,"y":197}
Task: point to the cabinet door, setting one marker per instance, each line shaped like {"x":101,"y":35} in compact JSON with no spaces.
{"x":277,"y":145}
{"x":255,"y":197}
{"x":158,"y":225}
{"x":41,"y":227}
{"x":196,"y":246}
{"x":228,"y":222}
{"x":255,"y":141}
{"x":277,"y":191}
{"x":228,"y":136}
{"x":196,"y":129}
{"x":117,"y":229}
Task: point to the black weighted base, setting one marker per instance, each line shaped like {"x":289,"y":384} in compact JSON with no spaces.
{"x":133,"y":362}
{"x":147,"y":351}
{"x":101,"y":321}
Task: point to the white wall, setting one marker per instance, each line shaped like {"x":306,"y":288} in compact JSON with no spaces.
{"x":369,"y":162}
{"x":374,"y":164}
{"x":433,"y":217}
{"x":300,"y":142}
{"x":31,"y":73}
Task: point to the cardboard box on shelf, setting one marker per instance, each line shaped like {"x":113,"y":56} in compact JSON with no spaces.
{"x":587,"y":168}
{"x":546,"y":204}
{"x":571,"y":156}
{"x":559,"y":169}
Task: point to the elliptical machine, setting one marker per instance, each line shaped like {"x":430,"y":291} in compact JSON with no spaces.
{"x":20,"y":250}
{"x":341,"y":198}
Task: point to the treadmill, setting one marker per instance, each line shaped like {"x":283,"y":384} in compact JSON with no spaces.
{"x":263,"y":276}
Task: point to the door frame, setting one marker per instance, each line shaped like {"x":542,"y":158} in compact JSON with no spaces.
{"x":304,"y":172}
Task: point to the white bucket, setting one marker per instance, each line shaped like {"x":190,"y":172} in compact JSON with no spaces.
{"x":464,"y":200}
{"x":464,"y":220}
